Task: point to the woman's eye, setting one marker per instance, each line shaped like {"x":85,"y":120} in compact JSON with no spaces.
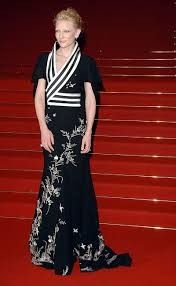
{"x":59,"y":32}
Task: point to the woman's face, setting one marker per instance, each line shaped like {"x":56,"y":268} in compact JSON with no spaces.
{"x":66,"y":33}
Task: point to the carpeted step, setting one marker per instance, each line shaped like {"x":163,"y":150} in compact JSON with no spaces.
{"x":17,"y":109}
{"x":119,"y":112}
{"x":111,"y":83}
{"x":19,"y":124}
{"x":20,"y":141}
{"x":129,"y":98}
{"x":118,"y":66}
{"x":137,"y":70}
{"x":103,"y":111}
{"x":23,"y":205}
{"x":16,"y":95}
{"x":148,"y":68}
{"x":134,"y":145}
{"x":112,"y":127}
{"x":136,"y":113}
{"x":103,"y":163}
{"x":142,"y":218}
{"x":21,"y":180}
{"x":150,"y":61}
{"x":21,"y":159}
{"x":15,"y":82}
{"x":16,"y":70}
{"x":125,"y":164}
{"x":135,"y":128}
{"x":131,"y":204}
{"x":104,"y":202}
{"x":138,"y":84}
{"x":141,"y":98}
{"x":107,"y":185}
{"x":101,"y":143}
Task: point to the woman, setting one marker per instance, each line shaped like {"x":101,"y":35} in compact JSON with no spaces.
{"x":65,"y":225}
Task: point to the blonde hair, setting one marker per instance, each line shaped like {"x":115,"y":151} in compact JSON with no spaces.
{"x":69,"y":14}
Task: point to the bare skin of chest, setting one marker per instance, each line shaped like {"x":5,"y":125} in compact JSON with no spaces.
{"x":60,"y":61}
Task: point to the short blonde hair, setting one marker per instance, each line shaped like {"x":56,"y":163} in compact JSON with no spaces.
{"x":69,"y":14}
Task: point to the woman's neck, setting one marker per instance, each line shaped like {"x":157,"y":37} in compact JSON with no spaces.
{"x":65,"y":52}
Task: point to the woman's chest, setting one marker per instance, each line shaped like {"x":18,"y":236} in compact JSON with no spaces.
{"x":60,"y":62}
{"x":71,"y":79}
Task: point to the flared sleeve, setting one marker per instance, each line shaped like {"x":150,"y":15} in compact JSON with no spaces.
{"x":39,"y":70}
{"x":92,"y":75}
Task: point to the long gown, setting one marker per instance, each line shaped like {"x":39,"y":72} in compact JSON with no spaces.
{"x":65,"y":225}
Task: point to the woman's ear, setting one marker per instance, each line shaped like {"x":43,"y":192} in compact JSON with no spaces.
{"x":77,"y":33}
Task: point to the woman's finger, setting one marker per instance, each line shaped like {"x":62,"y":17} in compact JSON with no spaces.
{"x":50,"y":146}
{"x":52,"y":139}
{"x":86,"y":148}
{"x":46,"y":146}
{"x":83,"y":144}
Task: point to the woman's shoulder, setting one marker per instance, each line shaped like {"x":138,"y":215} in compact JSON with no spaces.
{"x":42,"y":57}
{"x":87,"y":59}
{"x":40,"y":66}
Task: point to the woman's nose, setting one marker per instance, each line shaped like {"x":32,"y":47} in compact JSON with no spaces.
{"x":61,"y":35}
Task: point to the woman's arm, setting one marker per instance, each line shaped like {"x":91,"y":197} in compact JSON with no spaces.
{"x":47,"y":138}
{"x":90,"y":105}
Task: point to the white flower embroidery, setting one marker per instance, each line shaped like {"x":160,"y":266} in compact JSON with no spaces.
{"x":65,"y":271}
{"x":87,"y":252}
{"x":70,"y":84}
{"x":68,"y":146}
{"x":83,"y":246}
{"x":51,"y":189}
{"x":61,"y":208}
{"x":47,"y":118}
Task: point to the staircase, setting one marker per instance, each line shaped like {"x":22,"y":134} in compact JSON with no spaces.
{"x":134,"y":154}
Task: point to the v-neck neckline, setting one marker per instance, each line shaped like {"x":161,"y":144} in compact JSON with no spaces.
{"x":63,"y":66}
{"x":58,"y":69}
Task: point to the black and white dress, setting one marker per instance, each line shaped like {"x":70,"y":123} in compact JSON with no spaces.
{"x":65,"y":225}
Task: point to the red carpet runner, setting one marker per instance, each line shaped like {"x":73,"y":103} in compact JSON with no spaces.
{"x":133,"y":167}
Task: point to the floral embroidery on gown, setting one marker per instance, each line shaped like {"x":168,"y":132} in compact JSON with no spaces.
{"x":65,"y":226}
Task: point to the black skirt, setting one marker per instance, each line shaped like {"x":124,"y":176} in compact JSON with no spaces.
{"x":66,"y":225}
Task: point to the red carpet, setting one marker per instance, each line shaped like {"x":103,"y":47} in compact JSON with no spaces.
{"x":134,"y":154}
{"x":133,"y":168}
{"x":133,"y":162}
{"x":153,"y":252}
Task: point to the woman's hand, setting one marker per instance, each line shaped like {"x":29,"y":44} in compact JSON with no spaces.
{"x":47,"y":139}
{"x":86,"y":143}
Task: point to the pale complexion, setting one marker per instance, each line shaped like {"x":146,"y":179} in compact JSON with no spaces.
{"x":66,"y":32}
